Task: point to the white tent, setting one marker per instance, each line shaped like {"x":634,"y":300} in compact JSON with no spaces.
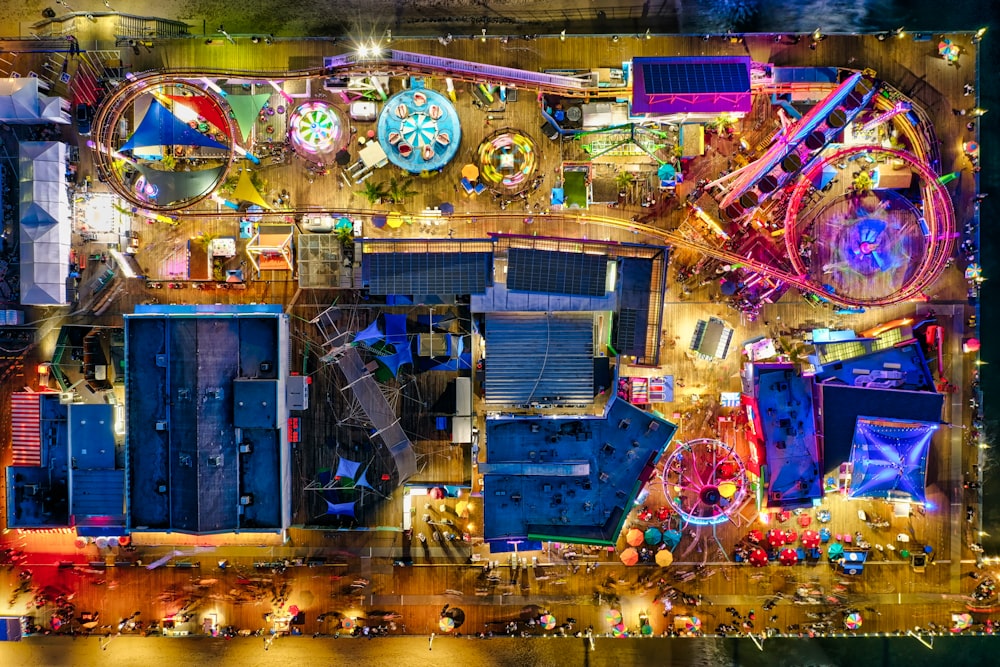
{"x":21,"y":103}
{"x":45,"y":223}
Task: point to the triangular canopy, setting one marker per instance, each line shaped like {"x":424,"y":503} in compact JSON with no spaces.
{"x":44,"y":223}
{"x":204,"y":107}
{"x":175,"y":186}
{"x":369,"y":334}
{"x":403,"y":355}
{"x":245,"y":190}
{"x":159,"y":127}
{"x":245,"y":109}
{"x":889,"y":458}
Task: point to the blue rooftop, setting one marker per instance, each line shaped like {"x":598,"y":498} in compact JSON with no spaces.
{"x":571,"y":479}
{"x":188,"y":369}
{"x":794,"y":464}
{"x":899,"y":367}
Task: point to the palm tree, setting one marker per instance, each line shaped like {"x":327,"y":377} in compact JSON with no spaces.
{"x":399,"y":190}
{"x":374,"y":192}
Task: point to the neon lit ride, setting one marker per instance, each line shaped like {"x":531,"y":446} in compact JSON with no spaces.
{"x":315,"y":130}
{"x":507,"y":161}
{"x":705,"y":481}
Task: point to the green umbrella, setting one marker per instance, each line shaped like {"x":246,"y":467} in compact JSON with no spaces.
{"x":344,"y":223}
{"x":653,"y":536}
{"x":904,"y":553}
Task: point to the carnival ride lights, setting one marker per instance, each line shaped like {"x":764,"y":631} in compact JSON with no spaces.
{"x":865,"y":244}
{"x":507,"y":160}
{"x":705,"y":481}
{"x":937,"y":233}
{"x":315,"y":130}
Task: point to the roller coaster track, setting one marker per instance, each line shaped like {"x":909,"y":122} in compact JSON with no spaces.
{"x":940,"y":239}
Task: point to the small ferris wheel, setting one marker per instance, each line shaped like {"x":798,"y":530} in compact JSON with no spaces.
{"x":705,"y":481}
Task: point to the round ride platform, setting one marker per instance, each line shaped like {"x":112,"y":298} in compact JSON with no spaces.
{"x":507,"y":161}
{"x":419,"y":130}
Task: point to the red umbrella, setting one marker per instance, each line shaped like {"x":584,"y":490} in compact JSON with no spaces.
{"x":758,"y":557}
{"x":436,"y":493}
{"x":294,"y":610}
{"x":810,"y":539}
{"x":788,"y":557}
{"x":755,"y":536}
{"x":775,"y":538}
{"x":791,"y":536}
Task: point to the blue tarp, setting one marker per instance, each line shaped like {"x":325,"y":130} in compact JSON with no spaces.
{"x":370,"y":334}
{"x":159,"y":127}
{"x":402,"y":356}
{"x":347,"y":469}
{"x":395,"y":330}
{"x":340,"y":509}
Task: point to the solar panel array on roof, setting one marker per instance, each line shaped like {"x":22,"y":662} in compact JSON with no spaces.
{"x":695,"y":77}
{"x":554,"y":272}
{"x":427,"y":273}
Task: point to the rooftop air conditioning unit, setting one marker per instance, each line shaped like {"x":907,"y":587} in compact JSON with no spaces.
{"x":246,"y":499}
{"x":161,"y":425}
{"x":215,"y":460}
{"x":246,"y":448}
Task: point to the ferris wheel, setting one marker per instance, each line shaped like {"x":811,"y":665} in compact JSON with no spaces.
{"x":705,"y":481}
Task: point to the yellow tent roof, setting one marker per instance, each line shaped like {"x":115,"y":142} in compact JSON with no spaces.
{"x":245,"y":190}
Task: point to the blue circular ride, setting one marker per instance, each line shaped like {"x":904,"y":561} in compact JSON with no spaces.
{"x":419,"y":130}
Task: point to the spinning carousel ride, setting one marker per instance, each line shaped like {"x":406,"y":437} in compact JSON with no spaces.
{"x":419,"y":130}
{"x":507,"y":161}
{"x":705,"y":481}
{"x":316,"y":131}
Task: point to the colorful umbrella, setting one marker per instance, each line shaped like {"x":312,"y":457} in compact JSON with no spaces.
{"x":692,"y":624}
{"x":810,"y":539}
{"x":758,"y":558}
{"x":437,"y":492}
{"x":973,"y":272}
{"x":462,"y":508}
{"x":344,"y":223}
{"x":348,"y":623}
{"x":630,"y":556}
{"x":961,"y":622}
{"x":653,"y":536}
{"x":775,"y":538}
{"x":664,"y":557}
{"x":618,"y":630}
{"x":634,"y":537}
{"x":788,"y":557}
{"x":672,"y":538}
{"x":971,"y":147}
{"x":548,"y":621}
{"x":446,"y":624}
{"x":394,"y":220}
{"x":470,"y":172}
{"x":613,"y":616}
{"x":836,"y":549}
{"x":853,"y":621}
